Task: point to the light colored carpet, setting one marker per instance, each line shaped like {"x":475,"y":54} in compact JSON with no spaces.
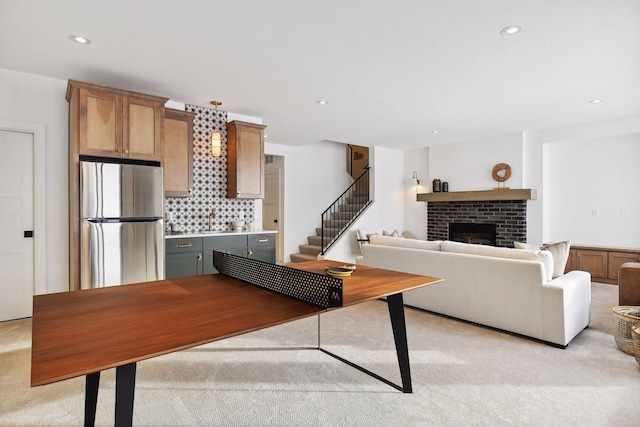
{"x":462,"y":374}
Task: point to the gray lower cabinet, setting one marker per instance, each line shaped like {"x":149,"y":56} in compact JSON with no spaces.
{"x":236,"y":245}
{"x":262,"y":247}
{"x":183,"y":257}
{"x":194,"y":256}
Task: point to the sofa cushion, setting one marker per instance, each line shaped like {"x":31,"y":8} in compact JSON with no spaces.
{"x":559,"y":252}
{"x":541,"y":256}
{"x":430,"y":245}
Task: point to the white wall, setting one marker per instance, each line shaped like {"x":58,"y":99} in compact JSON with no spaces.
{"x":467,"y":166}
{"x":535,"y":174}
{"x":594,"y":183}
{"x":415,"y":213}
{"x":604,"y":153}
{"x":35,"y":99}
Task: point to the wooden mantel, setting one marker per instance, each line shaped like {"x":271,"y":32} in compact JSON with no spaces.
{"x":473,"y":196}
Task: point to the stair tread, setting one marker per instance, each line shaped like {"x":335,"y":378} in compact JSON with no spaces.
{"x":302,"y":258}
{"x":310,"y":249}
{"x":317,"y":240}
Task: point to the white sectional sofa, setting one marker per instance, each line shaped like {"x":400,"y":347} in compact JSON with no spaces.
{"x":504,"y":288}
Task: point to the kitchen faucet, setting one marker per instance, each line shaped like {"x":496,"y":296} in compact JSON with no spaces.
{"x":211,"y":215}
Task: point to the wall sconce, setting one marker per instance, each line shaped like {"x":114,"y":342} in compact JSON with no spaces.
{"x":216,"y":138}
{"x":216,"y":144}
{"x":414,"y":180}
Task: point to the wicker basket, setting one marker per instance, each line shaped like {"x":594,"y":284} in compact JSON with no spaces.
{"x":627,"y":318}
{"x":636,"y":342}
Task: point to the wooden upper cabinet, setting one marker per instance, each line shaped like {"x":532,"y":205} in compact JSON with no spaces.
{"x":110,"y":122}
{"x":143,"y":128}
{"x":245,"y":160}
{"x":100,"y":122}
{"x":177,"y":160}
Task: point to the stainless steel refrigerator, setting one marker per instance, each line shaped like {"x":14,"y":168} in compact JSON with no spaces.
{"x":122,"y":226}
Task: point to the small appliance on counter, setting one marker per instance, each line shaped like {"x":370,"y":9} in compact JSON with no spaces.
{"x":121,"y":224}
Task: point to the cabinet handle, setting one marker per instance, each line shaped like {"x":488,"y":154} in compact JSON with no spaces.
{"x":200,"y":257}
{"x":263,"y":240}
{"x":184,"y":245}
{"x":126,"y":151}
{"x":250,"y":252}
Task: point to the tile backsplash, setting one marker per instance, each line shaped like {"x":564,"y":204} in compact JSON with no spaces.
{"x":209,"y":180}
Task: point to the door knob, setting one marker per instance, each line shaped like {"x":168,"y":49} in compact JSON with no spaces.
{"x":275,"y":221}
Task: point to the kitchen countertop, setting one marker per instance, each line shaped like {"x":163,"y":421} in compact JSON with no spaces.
{"x":183,"y":234}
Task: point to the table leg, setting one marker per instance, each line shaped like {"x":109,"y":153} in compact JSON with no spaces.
{"x":396,"y":312}
{"x":125,"y":388}
{"x":92,"y":381}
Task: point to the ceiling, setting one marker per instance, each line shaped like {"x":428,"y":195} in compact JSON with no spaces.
{"x":392,"y":71}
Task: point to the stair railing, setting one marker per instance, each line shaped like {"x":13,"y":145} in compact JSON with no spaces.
{"x":333,"y":217}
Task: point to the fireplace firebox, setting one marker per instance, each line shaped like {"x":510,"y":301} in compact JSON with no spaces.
{"x":469,"y":232}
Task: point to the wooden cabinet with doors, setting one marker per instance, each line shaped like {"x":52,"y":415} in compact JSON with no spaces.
{"x":112,"y":123}
{"x":602,"y":263}
{"x":245,"y":160}
{"x":177,"y":159}
{"x":108,"y":122}
{"x":619,"y":257}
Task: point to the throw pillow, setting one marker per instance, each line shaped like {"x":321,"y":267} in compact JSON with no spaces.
{"x":408,"y":235}
{"x":519,"y":245}
{"x":560,"y":253}
{"x":394,"y":233}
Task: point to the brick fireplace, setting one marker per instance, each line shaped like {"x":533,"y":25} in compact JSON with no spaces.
{"x":509,"y":217}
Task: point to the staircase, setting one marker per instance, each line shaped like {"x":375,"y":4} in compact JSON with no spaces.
{"x":336,"y":220}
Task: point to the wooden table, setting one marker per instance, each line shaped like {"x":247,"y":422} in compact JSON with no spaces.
{"x":85,"y":332}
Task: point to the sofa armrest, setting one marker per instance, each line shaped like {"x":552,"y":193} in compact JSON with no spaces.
{"x":566,"y":304}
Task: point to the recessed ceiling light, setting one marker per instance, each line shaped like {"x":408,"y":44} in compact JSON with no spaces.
{"x":435,"y":132}
{"x":323,"y":102}
{"x":80,"y":39}
{"x":511,"y":30}
{"x":595,"y":101}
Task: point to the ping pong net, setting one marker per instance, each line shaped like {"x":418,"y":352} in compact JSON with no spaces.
{"x":317,"y":289}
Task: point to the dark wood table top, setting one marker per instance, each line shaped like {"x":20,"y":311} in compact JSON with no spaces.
{"x":81,"y":332}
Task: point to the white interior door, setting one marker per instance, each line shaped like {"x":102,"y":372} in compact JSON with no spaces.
{"x":16,"y":218}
